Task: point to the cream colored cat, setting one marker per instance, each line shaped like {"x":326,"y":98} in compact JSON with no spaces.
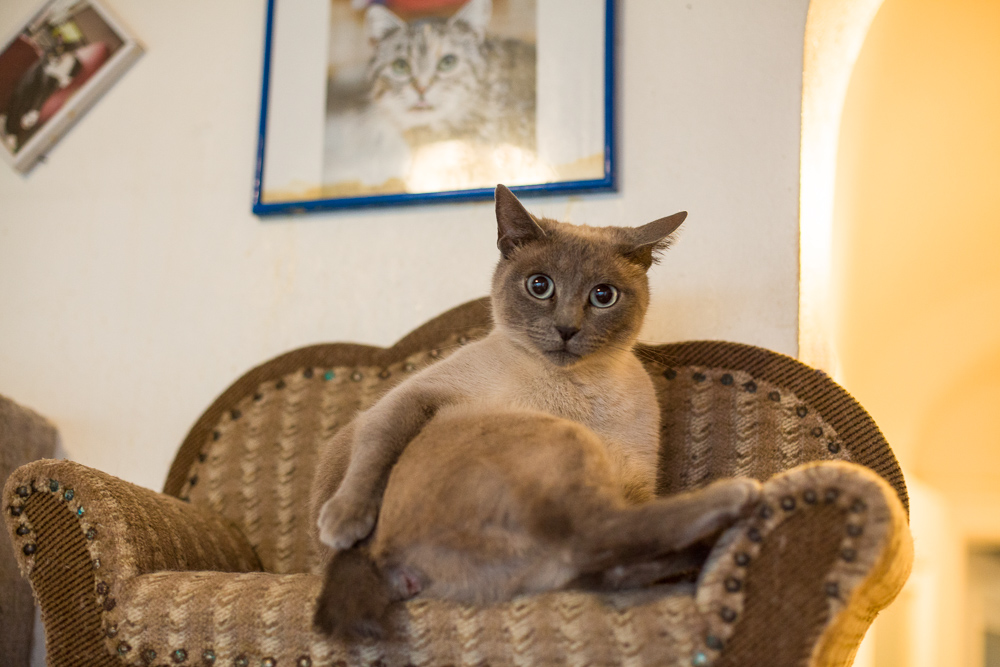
{"x":525,"y":461}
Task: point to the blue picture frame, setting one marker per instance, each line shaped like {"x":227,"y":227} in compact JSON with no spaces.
{"x":608,"y":182}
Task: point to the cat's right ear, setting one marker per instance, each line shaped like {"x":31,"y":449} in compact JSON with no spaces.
{"x":379,"y":22}
{"x":515,"y":226}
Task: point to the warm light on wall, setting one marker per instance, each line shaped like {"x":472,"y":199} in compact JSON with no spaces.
{"x":835,"y":31}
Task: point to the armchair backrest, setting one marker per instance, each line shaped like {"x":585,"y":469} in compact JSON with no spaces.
{"x":727,"y":410}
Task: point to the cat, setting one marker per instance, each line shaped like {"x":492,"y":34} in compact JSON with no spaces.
{"x":52,"y":72}
{"x":441,"y":79}
{"x":524,"y":462}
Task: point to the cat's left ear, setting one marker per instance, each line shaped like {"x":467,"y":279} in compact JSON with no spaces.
{"x":651,"y":239}
{"x":476,"y":14}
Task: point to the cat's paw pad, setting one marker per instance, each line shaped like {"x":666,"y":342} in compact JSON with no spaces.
{"x":342,"y":523}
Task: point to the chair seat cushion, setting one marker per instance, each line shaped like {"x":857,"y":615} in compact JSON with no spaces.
{"x":264,"y":619}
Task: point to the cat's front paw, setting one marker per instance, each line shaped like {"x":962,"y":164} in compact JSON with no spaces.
{"x":343,"y":522}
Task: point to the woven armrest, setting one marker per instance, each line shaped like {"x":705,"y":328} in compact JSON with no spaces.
{"x":80,"y":534}
{"x":803,"y":578}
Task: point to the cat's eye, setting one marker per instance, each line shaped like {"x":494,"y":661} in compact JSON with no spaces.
{"x":540,"y":286}
{"x":448,"y":62}
{"x":603,"y":296}
{"x":400,"y":66}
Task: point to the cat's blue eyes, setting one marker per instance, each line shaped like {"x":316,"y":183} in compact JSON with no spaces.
{"x":400,"y":66}
{"x":447,"y":62}
{"x":603,"y":296}
{"x":540,"y":286}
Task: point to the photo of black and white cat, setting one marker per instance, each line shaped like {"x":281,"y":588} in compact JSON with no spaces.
{"x":51,"y":69}
{"x":430,"y":95}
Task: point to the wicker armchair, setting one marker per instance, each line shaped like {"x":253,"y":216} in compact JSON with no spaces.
{"x":220,"y":568}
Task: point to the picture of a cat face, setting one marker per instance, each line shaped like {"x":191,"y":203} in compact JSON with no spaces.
{"x":428,"y":73}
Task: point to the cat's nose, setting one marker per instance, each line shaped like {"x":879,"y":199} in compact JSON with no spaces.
{"x":567,"y":332}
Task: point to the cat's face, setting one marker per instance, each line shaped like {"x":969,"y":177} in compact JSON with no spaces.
{"x":427,"y":73}
{"x":567,"y":291}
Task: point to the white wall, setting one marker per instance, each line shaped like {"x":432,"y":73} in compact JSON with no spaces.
{"x":135,"y":285}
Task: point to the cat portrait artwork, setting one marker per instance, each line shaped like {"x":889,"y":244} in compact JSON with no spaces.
{"x":439,"y":95}
{"x":425,"y":100}
{"x":526,"y":461}
{"x":52,"y":69}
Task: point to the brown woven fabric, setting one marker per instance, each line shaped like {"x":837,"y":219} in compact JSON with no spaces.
{"x":728,"y":409}
{"x":263,"y":616}
{"x":24,"y":437}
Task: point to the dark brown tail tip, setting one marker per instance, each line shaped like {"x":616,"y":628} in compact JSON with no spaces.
{"x":354,"y":602}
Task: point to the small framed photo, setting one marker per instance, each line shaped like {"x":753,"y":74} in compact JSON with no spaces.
{"x":52,"y":69}
{"x":389,"y":102}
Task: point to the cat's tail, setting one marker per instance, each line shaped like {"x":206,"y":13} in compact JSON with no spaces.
{"x":355,"y":599}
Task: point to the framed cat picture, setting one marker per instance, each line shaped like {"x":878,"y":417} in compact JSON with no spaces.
{"x":52,"y":69}
{"x":392,"y":102}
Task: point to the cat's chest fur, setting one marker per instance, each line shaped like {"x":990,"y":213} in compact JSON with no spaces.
{"x":612,"y":396}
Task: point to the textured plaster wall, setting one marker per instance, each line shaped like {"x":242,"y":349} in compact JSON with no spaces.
{"x":135,"y":284}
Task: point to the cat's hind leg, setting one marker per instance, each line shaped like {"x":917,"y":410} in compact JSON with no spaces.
{"x":645,"y":532}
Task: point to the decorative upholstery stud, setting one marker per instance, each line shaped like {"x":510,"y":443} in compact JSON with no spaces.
{"x":258,"y":397}
{"x":774,"y":396}
{"x":858,"y":506}
{"x":855,"y":529}
{"x":268,"y":662}
{"x":23,"y":491}
{"x":833,"y":447}
{"x":435,"y":354}
{"x":280,"y":384}
{"x":241,"y":661}
{"x":149,"y":655}
{"x":179,"y":656}
{"x":208,"y":655}
{"x":802,"y":411}
{"x":216,"y":435}
{"x":733,"y":585}
{"x":810,"y":497}
{"x":670,"y":374}
{"x":384,"y":374}
{"x":848,"y":555}
{"x":817,"y":432}
{"x":329,"y":375}
{"x":742,"y":559}
{"x":409,"y":367}
{"x":832,"y":589}
{"x":788,"y":503}
{"x":304,"y":661}
{"x":356,"y":376}
{"x":16,"y":510}
{"x":727,"y":614}
{"x":235,"y":414}
{"x":751,"y":387}
{"x":68,"y":494}
{"x":713,"y":643}
{"x":79,"y":511}
{"x":726,"y":379}
{"x":463,"y":339}
{"x":765,"y":512}
{"x":53,"y":485}
{"x":102,"y":588}
{"x":112,"y":631}
{"x":123,"y":648}
{"x":307,"y":373}
{"x":754,"y":535}
{"x":831,"y":496}
{"x":698,"y":377}
{"x":29,"y":549}
{"x":110,"y":604}
{"x":23,"y":530}
{"x":699,"y":659}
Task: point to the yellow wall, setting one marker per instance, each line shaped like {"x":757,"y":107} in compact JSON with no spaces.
{"x":917,"y":271}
